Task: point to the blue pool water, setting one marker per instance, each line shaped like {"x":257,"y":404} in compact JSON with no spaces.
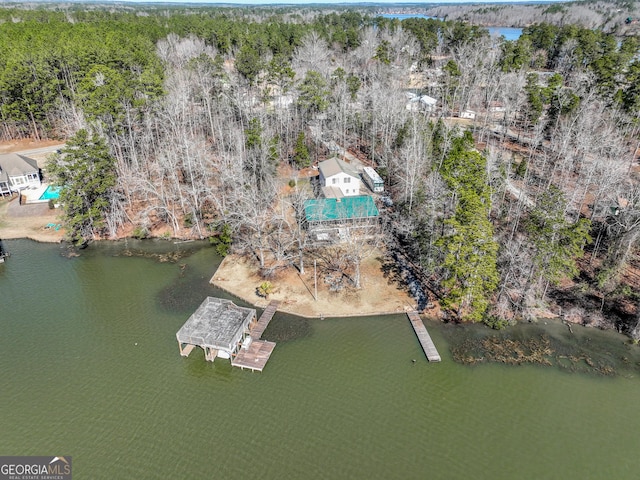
{"x":50,"y":193}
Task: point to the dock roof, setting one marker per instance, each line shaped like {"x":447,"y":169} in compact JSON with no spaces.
{"x":217,"y":323}
{"x":345,"y":208}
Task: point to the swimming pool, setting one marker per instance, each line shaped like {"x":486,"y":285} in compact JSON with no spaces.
{"x":50,"y":193}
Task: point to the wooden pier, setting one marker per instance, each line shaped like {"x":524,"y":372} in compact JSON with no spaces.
{"x":258,"y":329}
{"x":256,"y":356}
{"x":424,"y":337}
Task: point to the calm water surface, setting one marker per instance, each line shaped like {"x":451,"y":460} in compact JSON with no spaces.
{"x":90,"y":368}
{"x":509,"y":33}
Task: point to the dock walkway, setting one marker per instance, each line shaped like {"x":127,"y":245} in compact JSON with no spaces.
{"x":259,"y":328}
{"x":425,"y":339}
{"x":256,"y":356}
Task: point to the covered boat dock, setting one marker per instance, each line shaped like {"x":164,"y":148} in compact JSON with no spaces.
{"x":218,"y":326}
{"x":223,"y":329}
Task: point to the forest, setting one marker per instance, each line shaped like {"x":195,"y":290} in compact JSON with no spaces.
{"x":618,"y":16}
{"x":517,"y":192}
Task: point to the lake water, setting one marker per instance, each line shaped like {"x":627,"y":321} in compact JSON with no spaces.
{"x":509,"y":33}
{"x":90,"y":368}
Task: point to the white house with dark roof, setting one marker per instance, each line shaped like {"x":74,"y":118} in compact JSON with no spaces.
{"x":338,"y":179}
{"x":18,"y":172}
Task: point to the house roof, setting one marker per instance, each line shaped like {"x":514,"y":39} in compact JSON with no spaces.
{"x":346,"y":208}
{"x":331,"y":192}
{"x":215,"y":324}
{"x":372,"y":174}
{"x":334,"y":166}
{"x":14,"y":164}
{"x":427,"y":100}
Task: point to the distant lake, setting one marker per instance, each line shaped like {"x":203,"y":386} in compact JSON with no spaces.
{"x":509,"y":33}
{"x":402,"y":16}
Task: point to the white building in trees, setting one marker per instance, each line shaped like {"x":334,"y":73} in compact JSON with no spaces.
{"x":338,"y":179}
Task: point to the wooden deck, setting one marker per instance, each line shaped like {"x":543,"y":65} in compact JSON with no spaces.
{"x":265,"y":318}
{"x":424,"y":337}
{"x":255,"y":357}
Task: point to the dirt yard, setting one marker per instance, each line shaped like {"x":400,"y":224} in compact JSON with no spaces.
{"x":28,"y":221}
{"x":379,"y":294}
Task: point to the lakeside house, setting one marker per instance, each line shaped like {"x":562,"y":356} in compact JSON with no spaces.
{"x":338,"y":179}
{"x":18,"y":172}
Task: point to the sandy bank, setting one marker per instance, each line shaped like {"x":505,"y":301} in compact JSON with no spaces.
{"x":379,"y":294}
{"x":28,"y":221}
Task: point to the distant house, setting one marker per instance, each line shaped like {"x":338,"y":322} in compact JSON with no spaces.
{"x":422,"y":102}
{"x":497,"y":107}
{"x":338,"y":179}
{"x":18,"y":172}
{"x":428,"y":102}
{"x":468,"y":114}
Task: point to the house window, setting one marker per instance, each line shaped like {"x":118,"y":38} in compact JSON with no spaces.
{"x":334,"y":180}
{"x":32,"y":176}
{"x":347,"y":180}
{"x":346,"y":191}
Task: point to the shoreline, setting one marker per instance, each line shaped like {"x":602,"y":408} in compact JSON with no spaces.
{"x":282,"y":307}
{"x":379,"y":295}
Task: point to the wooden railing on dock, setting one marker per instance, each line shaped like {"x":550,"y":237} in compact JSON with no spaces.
{"x":424,"y":337}
{"x":265,"y":318}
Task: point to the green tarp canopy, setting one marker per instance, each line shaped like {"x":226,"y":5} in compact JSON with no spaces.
{"x":345,"y":208}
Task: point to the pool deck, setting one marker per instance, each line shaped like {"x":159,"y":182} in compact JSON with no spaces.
{"x":32,"y":195}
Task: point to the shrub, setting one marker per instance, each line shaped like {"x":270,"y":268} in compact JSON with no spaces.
{"x":140,"y":232}
{"x":496,"y":323}
{"x":222,"y":241}
{"x":265,"y":289}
